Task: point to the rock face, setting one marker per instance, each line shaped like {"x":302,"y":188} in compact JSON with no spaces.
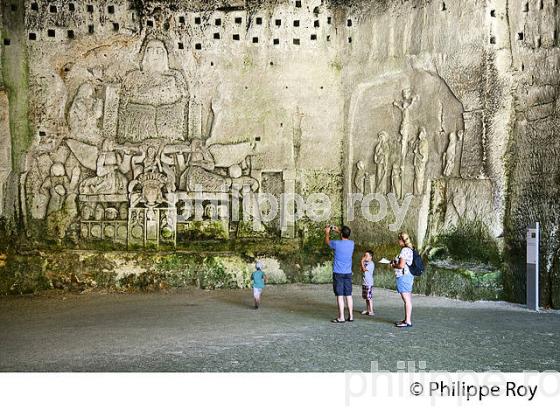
{"x":149,"y":124}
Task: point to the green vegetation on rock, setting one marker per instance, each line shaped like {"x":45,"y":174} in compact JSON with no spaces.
{"x":468,"y":241}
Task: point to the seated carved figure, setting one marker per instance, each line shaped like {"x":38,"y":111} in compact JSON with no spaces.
{"x":111,"y":169}
{"x":153,"y":99}
{"x":200,"y":172}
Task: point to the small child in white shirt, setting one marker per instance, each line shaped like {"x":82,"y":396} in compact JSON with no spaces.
{"x":368,"y":267}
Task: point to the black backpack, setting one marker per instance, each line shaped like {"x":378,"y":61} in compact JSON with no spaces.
{"x":417,"y":266}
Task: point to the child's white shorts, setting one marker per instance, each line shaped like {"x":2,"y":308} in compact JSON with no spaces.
{"x":257,"y":292}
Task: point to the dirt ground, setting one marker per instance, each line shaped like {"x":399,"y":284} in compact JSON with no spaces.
{"x":210,"y":331}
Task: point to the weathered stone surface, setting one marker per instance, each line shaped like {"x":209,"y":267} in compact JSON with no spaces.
{"x":82,"y":270}
{"x":472,"y":201}
{"x":147,"y":124}
{"x":5,"y":148}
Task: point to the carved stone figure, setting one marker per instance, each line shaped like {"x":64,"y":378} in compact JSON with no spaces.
{"x":55,"y":187}
{"x":154,"y":99}
{"x":449,"y":155}
{"x":37,"y":198}
{"x":151,"y":156}
{"x":123,"y":211}
{"x":239,"y":181}
{"x":111,"y":214}
{"x":151,"y":184}
{"x":87,"y":213}
{"x":99,"y":212}
{"x":185,"y":209}
{"x":85,"y":111}
{"x":200,"y":171}
{"x":421,"y":152}
{"x":404,"y":106}
{"x":61,"y":192}
{"x":396,"y":180}
{"x":360,"y":177}
{"x":380,"y":158}
{"x":111,"y":168}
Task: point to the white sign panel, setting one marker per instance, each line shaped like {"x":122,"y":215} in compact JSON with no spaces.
{"x":532,"y":246}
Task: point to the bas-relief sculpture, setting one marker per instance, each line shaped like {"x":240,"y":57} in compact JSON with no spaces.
{"x":134,"y":159}
{"x":360,"y":177}
{"x":404,"y":106}
{"x":84,"y":113}
{"x":380,"y":159}
{"x":421,"y":152}
{"x":414,"y":151}
{"x":404,"y":141}
{"x":451,"y":152}
{"x":140,"y":148}
{"x":111,"y":167}
{"x":154,"y":98}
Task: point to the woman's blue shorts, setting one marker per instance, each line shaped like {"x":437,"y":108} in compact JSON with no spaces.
{"x":404,"y":283}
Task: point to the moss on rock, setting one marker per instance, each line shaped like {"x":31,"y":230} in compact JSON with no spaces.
{"x":469,"y":241}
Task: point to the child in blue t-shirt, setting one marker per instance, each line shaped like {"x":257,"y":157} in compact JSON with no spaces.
{"x":258,"y":279}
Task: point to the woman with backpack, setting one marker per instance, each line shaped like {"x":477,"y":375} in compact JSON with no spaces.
{"x":404,"y":277}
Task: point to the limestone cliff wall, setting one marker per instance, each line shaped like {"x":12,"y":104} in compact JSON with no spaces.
{"x":533,"y":145}
{"x":112,"y":111}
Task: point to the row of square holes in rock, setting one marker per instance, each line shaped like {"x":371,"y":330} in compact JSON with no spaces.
{"x":493,"y":12}
{"x":255,"y":40}
{"x":116,"y":27}
{"x":89,"y":7}
{"x":71,"y":7}
{"x":198,"y":46}
{"x":70,"y":33}
{"x":238,"y":20}
{"x":521,"y":37}
{"x":526,"y":7}
{"x":111,"y":9}
{"x":197,"y":20}
{"x":258,"y":21}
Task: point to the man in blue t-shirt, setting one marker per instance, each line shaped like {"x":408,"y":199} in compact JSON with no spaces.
{"x":342,"y":270}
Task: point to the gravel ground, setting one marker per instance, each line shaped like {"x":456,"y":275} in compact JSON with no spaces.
{"x":208,"y":331}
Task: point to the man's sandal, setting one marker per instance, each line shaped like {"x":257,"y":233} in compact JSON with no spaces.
{"x":337,"y":321}
{"x":404,"y":324}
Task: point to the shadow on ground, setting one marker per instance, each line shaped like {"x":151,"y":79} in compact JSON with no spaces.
{"x":196,"y":330}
